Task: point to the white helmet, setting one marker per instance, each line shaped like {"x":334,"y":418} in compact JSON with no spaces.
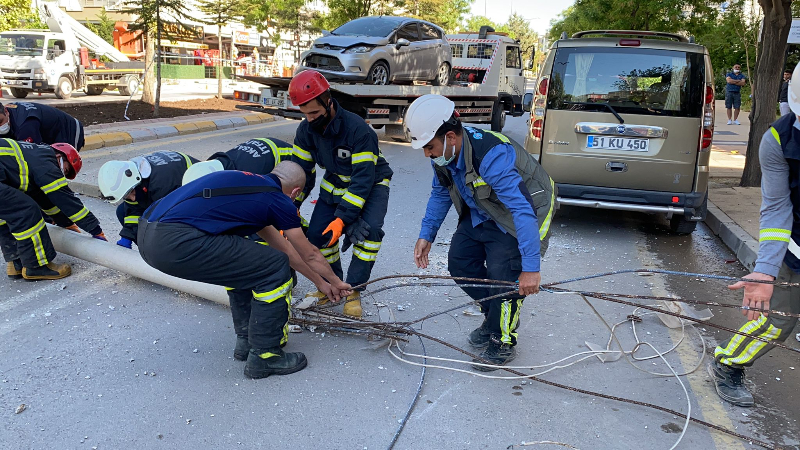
{"x":201,"y":169}
{"x":425,"y":116}
{"x":794,"y":90}
{"x":117,"y":178}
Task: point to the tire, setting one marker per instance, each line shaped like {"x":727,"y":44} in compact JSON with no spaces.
{"x":498,"y":117}
{"x":377,"y":126}
{"x":378,"y":74}
{"x":132,"y":84}
{"x":679,"y":225}
{"x":19,"y":93}
{"x":397,"y":133}
{"x":442,"y":75}
{"x":94,"y":89}
{"x":64,"y":88}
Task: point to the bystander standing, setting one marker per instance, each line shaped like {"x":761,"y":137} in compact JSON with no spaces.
{"x":783,"y":96}
{"x":733,"y":93}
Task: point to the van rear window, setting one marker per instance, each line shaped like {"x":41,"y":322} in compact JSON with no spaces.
{"x":631,"y":80}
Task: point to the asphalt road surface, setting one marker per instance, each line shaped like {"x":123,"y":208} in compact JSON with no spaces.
{"x":104,"y":360}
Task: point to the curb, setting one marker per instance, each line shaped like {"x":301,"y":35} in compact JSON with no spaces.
{"x":739,"y":241}
{"x":111,"y":139}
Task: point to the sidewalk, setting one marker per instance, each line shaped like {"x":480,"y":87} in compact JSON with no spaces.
{"x":733,"y":211}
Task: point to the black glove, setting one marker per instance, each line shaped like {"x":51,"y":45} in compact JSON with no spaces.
{"x":355,"y":233}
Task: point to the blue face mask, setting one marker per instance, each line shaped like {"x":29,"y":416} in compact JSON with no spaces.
{"x":441,"y":160}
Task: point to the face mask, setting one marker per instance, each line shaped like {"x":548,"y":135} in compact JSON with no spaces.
{"x":441,"y":161}
{"x":5,"y":128}
{"x":736,"y":70}
{"x":320,"y":123}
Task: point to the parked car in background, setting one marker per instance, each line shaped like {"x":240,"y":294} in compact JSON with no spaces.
{"x":624,"y":120}
{"x":381,"y":50}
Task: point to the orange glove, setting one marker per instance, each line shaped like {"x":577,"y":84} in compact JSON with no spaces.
{"x":336,"y":228}
{"x":74,"y":228}
{"x":101,"y":236}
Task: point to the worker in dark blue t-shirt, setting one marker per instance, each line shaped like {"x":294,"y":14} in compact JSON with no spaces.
{"x":40,"y":124}
{"x":198,"y":232}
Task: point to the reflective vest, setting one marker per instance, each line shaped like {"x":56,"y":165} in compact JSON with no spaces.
{"x":789,"y":138}
{"x":541,"y":187}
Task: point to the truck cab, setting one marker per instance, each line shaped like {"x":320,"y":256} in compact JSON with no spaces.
{"x":34,"y":60}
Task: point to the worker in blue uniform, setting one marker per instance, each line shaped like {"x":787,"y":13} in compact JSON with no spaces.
{"x":354,"y":192}
{"x":140,"y":182}
{"x":198,"y":232}
{"x":40,"y":124}
{"x":505,"y":203}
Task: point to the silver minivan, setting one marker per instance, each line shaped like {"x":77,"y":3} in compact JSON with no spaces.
{"x":624,"y":120}
{"x":381,"y":50}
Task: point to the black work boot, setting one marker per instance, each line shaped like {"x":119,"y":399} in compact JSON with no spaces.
{"x":242,"y":348}
{"x":51,"y":271}
{"x":479,"y":337}
{"x":497,"y":353}
{"x":729,"y":382}
{"x":263,"y":363}
{"x":14,"y":269}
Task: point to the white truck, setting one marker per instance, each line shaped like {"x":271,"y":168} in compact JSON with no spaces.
{"x":56,"y":60}
{"x":487,"y":83}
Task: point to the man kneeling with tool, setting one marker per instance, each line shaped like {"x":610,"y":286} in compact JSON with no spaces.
{"x":499,"y":190}
{"x":140,"y":182}
{"x":198,"y":233}
{"x":32,"y":175}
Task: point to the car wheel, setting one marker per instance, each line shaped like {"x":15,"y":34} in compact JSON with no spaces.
{"x":19,"y":93}
{"x":131,"y":85}
{"x":498,"y":117}
{"x":442,"y":75}
{"x":377,"y":126}
{"x":64,"y":88}
{"x":94,"y":89}
{"x":679,"y":225}
{"x":378,"y":74}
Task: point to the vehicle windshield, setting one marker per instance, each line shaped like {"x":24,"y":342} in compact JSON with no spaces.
{"x":22,"y":44}
{"x":368,"y":26}
{"x":631,"y":80}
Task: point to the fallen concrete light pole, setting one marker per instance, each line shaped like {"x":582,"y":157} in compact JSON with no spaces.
{"x":107,"y":254}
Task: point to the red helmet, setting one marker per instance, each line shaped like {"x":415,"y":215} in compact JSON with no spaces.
{"x":306,"y":86}
{"x":71,"y":156}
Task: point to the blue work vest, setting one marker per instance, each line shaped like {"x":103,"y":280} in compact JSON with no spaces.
{"x":789,"y":139}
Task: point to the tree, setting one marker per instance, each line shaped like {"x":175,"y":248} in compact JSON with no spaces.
{"x":219,"y":13}
{"x":774,"y":34}
{"x":448,"y":14}
{"x":474,"y":23}
{"x":150,"y":18}
{"x":18,"y":14}
{"x":520,"y":29}
{"x":343,"y":11}
{"x":104,"y":28}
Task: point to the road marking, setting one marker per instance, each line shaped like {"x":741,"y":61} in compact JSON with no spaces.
{"x":711,"y":406}
{"x":50,"y":287}
{"x":101,"y":153}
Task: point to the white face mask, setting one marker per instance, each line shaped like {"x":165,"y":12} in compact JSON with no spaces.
{"x":5,"y":128}
{"x":441,"y":160}
{"x":736,"y":70}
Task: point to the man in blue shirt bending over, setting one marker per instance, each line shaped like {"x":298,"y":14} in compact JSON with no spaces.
{"x":505,"y":203}
{"x":198,"y":232}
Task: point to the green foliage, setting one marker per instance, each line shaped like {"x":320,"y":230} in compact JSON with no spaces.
{"x":281,"y":15}
{"x":343,"y":11}
{"x":104,"y":28}
{"x":221,"y":12}
{"x":151,"y":15}
{"x":520,"y":29}
{"x":474,"y":23}
{"x":18,"y":14}
{"x":448,"y":14}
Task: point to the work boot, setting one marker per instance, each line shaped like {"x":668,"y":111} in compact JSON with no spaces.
{"x":497,"y":353}
{"x":322,"y":299}
{"x":242,"y":348}
{"x":51,"y":271}
{"x":352,"y":307}
{"x":263,"y":363}
{"x":14,"y":269}
{"x":479,"y":337}
{"x":729,"y":382}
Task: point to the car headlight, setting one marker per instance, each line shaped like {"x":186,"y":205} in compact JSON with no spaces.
{"x":359,"y":49}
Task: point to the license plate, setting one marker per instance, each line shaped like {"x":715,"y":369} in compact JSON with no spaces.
{"x":618,"y":143}
{"x":273,"y":101}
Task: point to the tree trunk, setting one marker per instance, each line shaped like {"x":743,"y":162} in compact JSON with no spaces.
{"x":156,"y":104}
{"x":219,"y":61}
{"x":777,"y":22}
{"x":148,"y":90}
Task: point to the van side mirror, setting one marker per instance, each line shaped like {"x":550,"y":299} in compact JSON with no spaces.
{"x":402,"y":42}
{"x":527,"y":102}
{"x":51,"y":55}
{"x":529,"y":64}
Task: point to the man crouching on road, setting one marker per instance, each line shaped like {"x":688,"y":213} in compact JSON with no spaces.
{"x":198,"y":233}
{"x":498,"y":190}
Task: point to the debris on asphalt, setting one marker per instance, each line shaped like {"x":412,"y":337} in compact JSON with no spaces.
{"x":295,"y":328}
{"x":195,"y":351}
{"x":21,"y":408}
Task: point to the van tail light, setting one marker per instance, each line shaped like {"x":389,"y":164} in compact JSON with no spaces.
{"x":707,"y":136}
{"x":539,"y":106}
{"x":630,"y":42}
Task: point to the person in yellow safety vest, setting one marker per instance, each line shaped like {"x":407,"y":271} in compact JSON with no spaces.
{"x":34,"y":171}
